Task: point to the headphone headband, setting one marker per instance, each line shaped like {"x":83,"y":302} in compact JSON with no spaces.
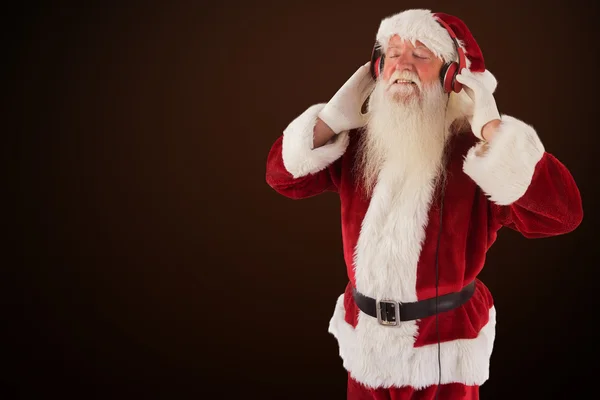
{"x":462,"y":63}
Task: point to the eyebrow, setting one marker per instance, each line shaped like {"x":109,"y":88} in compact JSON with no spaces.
{"x":421,"y":47}
{"x":418,"y":47}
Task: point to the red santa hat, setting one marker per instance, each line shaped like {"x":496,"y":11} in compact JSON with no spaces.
{"x":423,"y":25}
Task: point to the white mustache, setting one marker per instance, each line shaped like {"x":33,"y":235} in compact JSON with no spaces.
{"x":405,"y":75}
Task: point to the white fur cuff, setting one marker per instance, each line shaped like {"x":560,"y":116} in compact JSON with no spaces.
{"x":299,"y":157}
{"x":505,"y":170}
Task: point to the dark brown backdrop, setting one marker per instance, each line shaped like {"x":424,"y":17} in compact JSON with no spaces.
{"x":151,"y":259}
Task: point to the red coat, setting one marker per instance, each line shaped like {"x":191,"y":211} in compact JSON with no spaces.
{"x":389,"y":243}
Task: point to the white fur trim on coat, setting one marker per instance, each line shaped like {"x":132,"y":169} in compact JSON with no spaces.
{"x":299,"y":156}
{"x":392,"y":231}
{"x":377,"y":356}
{"x":505,"y":170}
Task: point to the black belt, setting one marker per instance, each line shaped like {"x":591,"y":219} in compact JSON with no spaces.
{"x":389,"y":312}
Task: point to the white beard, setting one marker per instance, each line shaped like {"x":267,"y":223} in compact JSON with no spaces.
{"x":405,"y":134}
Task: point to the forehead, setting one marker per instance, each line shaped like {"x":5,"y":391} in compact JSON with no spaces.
{"x":396,"y":42}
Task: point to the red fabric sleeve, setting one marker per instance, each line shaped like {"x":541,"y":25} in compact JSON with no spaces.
{"x":551,"y":205}
{"x":282,"y":181}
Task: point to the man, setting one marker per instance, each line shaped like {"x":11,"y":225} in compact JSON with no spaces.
{"x":426,"y":178}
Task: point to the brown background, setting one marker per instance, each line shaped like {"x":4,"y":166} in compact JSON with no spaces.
{"x":151,"y":259}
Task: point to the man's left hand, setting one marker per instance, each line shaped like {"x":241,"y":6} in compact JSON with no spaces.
{"x":484,"y":109}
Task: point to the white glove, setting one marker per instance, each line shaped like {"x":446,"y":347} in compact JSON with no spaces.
{"x":484,"y":109}
{"x":343,"y":111}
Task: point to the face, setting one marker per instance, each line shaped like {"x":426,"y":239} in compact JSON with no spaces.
{"x":408,"y":69}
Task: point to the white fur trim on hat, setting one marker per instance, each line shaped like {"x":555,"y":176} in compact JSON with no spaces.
{"x":419,"y":25}
{"x":416,"y":25}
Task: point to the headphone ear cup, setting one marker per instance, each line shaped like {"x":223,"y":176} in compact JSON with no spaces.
{"x":448,"y":78}
{"x":456,"y":85}
{"x":381,"y":63}
{"x":375,"y":61}
{"x":443,"y":71}
{"x":373,"y":68}
{"x":377,"y":67}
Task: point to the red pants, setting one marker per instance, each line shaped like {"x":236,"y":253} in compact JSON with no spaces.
{"x":451,"y":391}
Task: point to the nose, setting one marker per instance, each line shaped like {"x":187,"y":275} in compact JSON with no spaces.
{"x":405,"y":64}
{"x":404,"y":60}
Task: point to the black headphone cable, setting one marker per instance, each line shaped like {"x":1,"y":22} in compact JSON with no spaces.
{"x":437,"y":250}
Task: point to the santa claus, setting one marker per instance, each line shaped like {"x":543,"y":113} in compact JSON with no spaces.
{"x":427,"y":171}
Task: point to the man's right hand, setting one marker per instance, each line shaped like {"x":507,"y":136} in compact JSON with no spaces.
{"x":344,"y":111}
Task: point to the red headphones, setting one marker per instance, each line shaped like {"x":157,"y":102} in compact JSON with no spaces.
{"x":447,"y":73}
